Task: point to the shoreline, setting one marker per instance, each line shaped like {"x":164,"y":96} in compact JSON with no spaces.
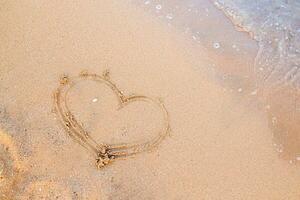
{"x":217,"y":148}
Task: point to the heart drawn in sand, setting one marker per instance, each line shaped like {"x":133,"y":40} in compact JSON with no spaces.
{"x":105,"y":153}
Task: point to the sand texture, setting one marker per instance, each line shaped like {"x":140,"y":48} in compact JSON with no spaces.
{"x":219,"y":146}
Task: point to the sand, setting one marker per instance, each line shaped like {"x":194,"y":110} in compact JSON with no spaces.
{"x":219,"y":147}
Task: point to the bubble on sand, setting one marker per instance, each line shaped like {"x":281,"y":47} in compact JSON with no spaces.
{"x":274,"y":120}
{"x":169,"y":16}
{"x":95,"y":100}
{"x":254,"y":92}
{"x":158,"y":7}
{"x":216,"y":45}
{"x":279,"y":149}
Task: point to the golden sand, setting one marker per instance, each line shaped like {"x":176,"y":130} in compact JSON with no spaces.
{"x":218,"y":148}
{"x":10,"y":167}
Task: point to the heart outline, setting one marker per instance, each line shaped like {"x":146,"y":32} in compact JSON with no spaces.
{"x":105,"y":153}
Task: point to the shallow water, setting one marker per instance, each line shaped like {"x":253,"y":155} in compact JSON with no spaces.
{"x":220,"y":145}
{"x":275,"y":25}
{"x":263,"y":56}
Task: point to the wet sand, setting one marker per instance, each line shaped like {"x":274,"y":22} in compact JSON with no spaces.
{"x":218,"y":147}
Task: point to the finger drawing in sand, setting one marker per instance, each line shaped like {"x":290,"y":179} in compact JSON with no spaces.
{"x":104,"y":153}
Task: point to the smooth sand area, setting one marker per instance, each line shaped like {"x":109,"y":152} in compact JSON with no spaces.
{"x":217,"y":149}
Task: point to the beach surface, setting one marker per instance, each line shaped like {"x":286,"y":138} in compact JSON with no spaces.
{"x":219,"y":146}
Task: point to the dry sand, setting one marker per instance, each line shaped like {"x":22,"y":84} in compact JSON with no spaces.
{"x":218,"y":148}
